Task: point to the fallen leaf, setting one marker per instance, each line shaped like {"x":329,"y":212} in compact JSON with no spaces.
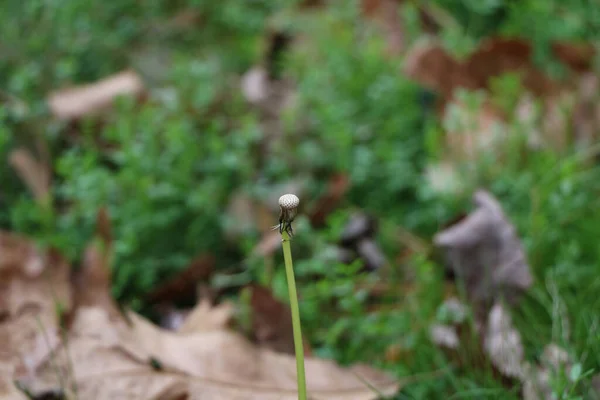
{"x":563,"y":109}
{"x":226,"y":360}
{"x":92,"y":282}
{"x":89,"y":99}
{"x":183,"y":284}
{"x":91,"y":365}
{"x":19,"y":256}
{"x":271,"y":321}
{"x":430,"y":64}
{"x":206,"y":317}
{"x":483,"y":249}
{"x":215,"y":364}
{"x":36,"y":175}
{"x":35,"y":293}
{"x":109,"y":356}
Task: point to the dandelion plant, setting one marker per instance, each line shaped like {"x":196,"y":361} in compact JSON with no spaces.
{"x":288,"y":204}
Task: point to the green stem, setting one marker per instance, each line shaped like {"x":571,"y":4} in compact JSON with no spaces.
{"x":298,"y":343}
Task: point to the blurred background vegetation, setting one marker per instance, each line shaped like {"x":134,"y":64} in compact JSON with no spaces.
{"x":169,"y":166}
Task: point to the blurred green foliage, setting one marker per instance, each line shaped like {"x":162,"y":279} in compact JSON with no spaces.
{"x":166,"y":169}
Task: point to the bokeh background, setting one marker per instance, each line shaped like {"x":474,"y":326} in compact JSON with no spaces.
{"x":182,"y":122}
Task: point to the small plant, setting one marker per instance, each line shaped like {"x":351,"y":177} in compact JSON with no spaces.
{"x":288,"y":204}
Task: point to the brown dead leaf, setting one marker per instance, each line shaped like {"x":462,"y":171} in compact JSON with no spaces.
{"x":215,"y":364}
{"x":35,"y":174}
{"x":226,"y":363}
{"x":483,"y":249}
{"x":206,"y":317}
{"x":184,"y":283}
{"x":90,"y":99}
{"x":430,"y":64}
{"x":108,"y":358}
{"x":272,"y":321}
{"x":92,"y":282}
{"x":91,"y":365}
{"x":19,"y":255}
{"x":34,"y":294}
{"x":564,"y":107}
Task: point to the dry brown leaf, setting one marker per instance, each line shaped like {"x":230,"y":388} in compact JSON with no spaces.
{"x":184,"y":283}
{"x":92,"y":282}
{"x":89,"y":99}
{"x":272,"y":321}
{"x":8,"y":390}
{"x":34,"y":288}
{"x":483,"y":249}
{"x":92,"y":366}
{"x":206,"y":317}
{"x":564,"y":106}
{"x":430,"y":64}
{"x":36,"y":175}
{"x":109,"y":358}
{"x":215,"y":364}
{"x":19,"y":255}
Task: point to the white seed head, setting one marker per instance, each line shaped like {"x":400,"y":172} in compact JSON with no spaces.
{"x":289,"y":201}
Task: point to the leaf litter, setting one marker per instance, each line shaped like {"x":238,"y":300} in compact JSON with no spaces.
{"x":105,"y":353}
{"x":485,"y":253}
